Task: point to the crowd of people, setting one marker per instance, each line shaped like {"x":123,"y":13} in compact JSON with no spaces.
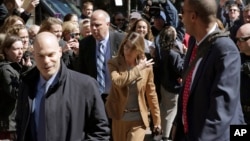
{"x":183,"y":73}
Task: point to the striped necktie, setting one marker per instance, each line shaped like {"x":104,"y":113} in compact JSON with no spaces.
{"x":101,"y":68}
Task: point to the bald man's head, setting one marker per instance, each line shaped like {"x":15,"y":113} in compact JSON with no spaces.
{"x":243,"y":39}
{"x":47,"y":54}
{"x":244,"y":29}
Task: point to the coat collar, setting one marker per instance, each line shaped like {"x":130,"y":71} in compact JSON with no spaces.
{"x":33,"y":76}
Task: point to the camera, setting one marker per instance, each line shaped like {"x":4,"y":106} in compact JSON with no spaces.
{"x":156,"y":7}
{"x":72,"y":35}
{"x":26,"y":55}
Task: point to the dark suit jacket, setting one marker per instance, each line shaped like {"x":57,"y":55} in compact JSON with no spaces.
{"x":214,"y":101}
{"x":87,"y":52}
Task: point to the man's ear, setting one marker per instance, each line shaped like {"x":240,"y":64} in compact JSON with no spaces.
{"x":194,"y":16}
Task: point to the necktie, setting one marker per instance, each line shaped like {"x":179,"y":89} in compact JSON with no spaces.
{"x":101,"y":68}
{"x":186,"y":91}
{"x":40,"y":113}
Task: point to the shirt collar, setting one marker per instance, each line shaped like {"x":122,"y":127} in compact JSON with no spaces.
{"x":209,"y":32}
{"x":104,"y":41}
{"x":42,"y":81}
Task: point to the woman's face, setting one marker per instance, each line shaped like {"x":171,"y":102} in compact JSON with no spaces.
{"x":72,"y":35}
{"x":57,"y":30}
{"x":15,"y":52}
{"x":24,"y":35}
{"x":74,"y":19}
{"x":142,"y":28}
{"x":129,"y":51}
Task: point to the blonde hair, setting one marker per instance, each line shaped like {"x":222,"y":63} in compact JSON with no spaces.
{"x":69,"y":27}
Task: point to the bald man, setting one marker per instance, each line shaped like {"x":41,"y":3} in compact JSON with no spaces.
{"x":209,"y":102}
{"x":89,"y":49}
{"x":58,"y":104}
{"x":243,"y":42}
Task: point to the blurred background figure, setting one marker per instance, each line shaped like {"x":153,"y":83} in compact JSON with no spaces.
{"x":171,"y":54}
{"x":33,"y":30}
{"x":12,"y":68}
{"x":70,"y":17}
{"x":53,"y":25}
{"x":119,"y":22}
{"x":70,"y":48}
{"x":22,"y":32}
{"x":143,"y":27}
{"x":11,"y":21}
{"x":243,"y":42}
{"x":246,"y":13}
{"x":85,"y":29}
{"x":87,"y":9}
{"x":134,"y":16}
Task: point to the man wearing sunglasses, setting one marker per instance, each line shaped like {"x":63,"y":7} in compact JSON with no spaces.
{"x":229,"y":12}
{"x":243,"y":42}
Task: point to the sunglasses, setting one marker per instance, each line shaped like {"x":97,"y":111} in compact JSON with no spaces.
{"x":73,"y":35}
{"x":243,"y":39}
{"x":233,"y":10}
{"x":120,"y":19}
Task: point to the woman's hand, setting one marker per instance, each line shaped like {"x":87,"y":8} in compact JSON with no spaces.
{"x":72,"y":45}
{"x":27,"y":62}
{"x":144,"y":63}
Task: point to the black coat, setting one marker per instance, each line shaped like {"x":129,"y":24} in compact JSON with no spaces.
{"x":74,"y":110}
{"x":87,"y":52}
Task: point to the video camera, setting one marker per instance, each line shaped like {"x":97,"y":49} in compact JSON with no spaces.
{"x":156,"y":7}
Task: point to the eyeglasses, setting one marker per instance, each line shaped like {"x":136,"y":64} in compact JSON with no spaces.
{"x":243,"y":39}
{"x":233,"y":10}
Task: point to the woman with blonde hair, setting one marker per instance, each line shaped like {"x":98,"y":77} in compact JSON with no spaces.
{"x":70,"y":47}
{"x":132,"y":91}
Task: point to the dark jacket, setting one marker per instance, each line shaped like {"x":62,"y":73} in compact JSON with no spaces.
{"x":171,"y":67}
{"x":74,"y":110}
{"x":9,"y":83}
{"x":214,"y":102}
{"x":244,"y":86}
{"x":87,"y":52}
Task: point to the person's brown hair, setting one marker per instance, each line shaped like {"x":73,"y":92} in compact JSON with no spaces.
{"x":136,"y":40}
{"x":149,"y":35}
{"x":9,"y":21}
{"x":7,"y":43}
{"x":14,"y":30}
{"x":47,"y":23}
